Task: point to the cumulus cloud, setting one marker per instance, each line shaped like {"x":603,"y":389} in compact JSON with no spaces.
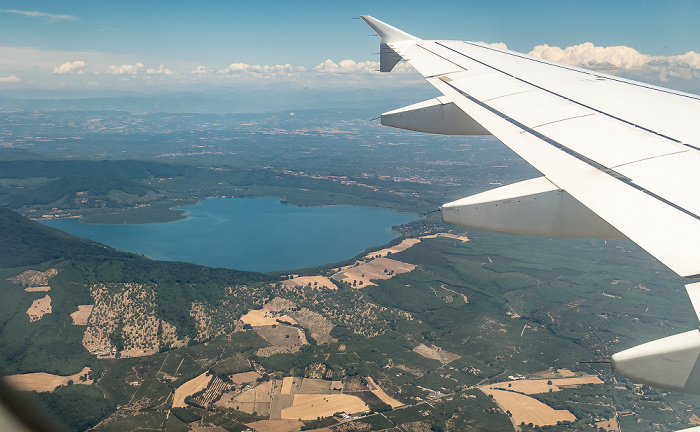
{"x":37,"y":14}
{"x":622,"y":60}
{"x":353,"y":67}
{"x":160,"y":71}
{"x":69,"y":67}
{"x":125,"y":69}
{"x":244,"y":71}
{"x":11,"y":79}
{"x":346,"y":66}
{"x":201,"y":70}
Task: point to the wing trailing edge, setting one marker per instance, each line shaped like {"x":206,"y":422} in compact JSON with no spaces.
{"x":533,"y":207}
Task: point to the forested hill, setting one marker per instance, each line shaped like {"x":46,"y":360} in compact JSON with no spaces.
{"x":82,"y":264}
{"x":91,"y":188}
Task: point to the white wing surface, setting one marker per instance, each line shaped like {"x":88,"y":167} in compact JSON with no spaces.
{"x":619,"y":158}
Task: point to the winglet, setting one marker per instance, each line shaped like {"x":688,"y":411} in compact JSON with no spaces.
{"x":387,"y":35}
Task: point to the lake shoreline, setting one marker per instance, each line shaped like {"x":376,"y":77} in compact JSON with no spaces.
{"x":254,"y":234}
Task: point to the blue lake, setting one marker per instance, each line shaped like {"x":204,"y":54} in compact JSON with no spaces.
{"x":257,"y":234}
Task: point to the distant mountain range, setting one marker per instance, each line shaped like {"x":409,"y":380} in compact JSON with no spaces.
{"x":220,"y":102}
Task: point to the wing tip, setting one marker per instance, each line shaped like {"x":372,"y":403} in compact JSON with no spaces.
{"x":387,"y":34}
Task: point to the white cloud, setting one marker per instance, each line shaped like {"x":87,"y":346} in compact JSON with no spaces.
{"x":357,"y":68}
{"x":69,"y":67}
{"x":11,"y":78}
{"x":626,"y":61}
{"x":125,"y":69}
{"x":160,"y":71}
{"x":246,"y":71}
{"x":201,"y":70}
{"x":346,"y":66}
{"x":37,"y":14}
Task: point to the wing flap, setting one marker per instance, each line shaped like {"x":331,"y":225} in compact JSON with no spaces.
{"x":614,"y":145}
{"x":666,"y":232}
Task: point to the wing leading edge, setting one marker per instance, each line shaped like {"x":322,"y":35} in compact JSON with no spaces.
{"x":619,"y":159}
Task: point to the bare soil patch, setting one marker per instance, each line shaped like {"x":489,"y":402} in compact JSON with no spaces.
{"x":316,"y":323}
{"x":282,"y":335}
{"x":189,"y":388}
{"x":463,"y":238}
{"x":276,"y":425}
{"x":133,"y":305}
{"x":34,"y":278}
{"x":566,"y":373}
{"x":265,"y":317}
{"x":268,"y":351}
{"x":287,"y":385}
{"x":374,"y":388}
{"x":311,"y":406}
{"x":312,"y":281}
{"x":527,"y":409}
{"x":380,"y":268}
{"x":197,"y":428}
{"x":136,"y":352}
{"x":244,"y":377}
{"x":278,"y":403}
{"x":405,"y":244}
{"x":80,"y":317}
{"x":318,"y":386}
{"x":38,"y":289}
{"x":542,"y":386}
{"x":253,"y":400}
{"x":44,"y":382}
{"x":38,"y":308}
{"x":610,"y":425}
{"x":436,"y":353}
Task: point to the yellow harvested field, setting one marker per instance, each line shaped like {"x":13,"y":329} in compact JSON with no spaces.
{"x":405,"y":244}
{"x":463,"y":238}
{"x":314,"y":281}
{"x":276,"y":425}
{"x":38,"y":308}
{"x":374,"y":388}
{"x":527,"y":409}
{"x":38,"y":289}
{"x":80,"y":317}
{"x":287,"y":385}
{"x":137,"y":352}
{"x":380,"y":268}
{"x":197,"y":428}
{"x":44,"y":382}
{"x":189,"y":388}
{"x":311,"y":406}
{"x":264,"y":317}
{"x":244,"y":377}
{"x":566,"y":373}
{"x":252,"y":400}
{"x":612,"y":426}
{"x":541,"y":386}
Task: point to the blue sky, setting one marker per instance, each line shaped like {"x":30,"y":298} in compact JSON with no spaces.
{"x":158,"y":44}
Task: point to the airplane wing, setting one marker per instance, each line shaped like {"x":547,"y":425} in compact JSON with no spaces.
{"x":619,"y":159}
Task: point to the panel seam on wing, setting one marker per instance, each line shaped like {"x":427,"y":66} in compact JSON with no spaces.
{"x":574,"y":69}
{"x":597,"y":165}
{"x":650,"y":157}
{"x":556,"y":94}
